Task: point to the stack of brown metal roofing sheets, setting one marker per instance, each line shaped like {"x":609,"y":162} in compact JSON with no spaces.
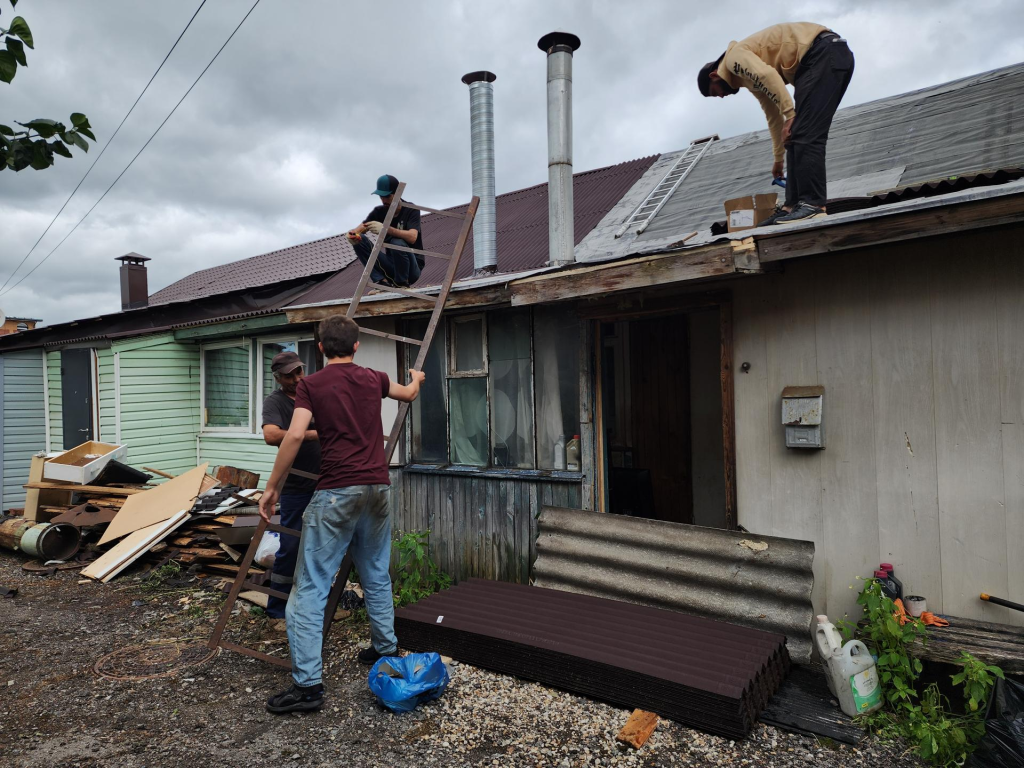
{"x":703,"y":673}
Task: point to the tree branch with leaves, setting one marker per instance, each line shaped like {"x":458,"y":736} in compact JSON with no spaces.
{"x":36,"y":145}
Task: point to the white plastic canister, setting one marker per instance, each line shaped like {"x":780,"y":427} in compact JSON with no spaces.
{"x":855,"y":679}
{"x":827,"y":640}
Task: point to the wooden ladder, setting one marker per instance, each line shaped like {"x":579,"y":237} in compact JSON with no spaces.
{"x":242,"y":581}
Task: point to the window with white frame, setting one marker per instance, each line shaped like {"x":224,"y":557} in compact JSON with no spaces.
{"x":225,"y":373}
{"x":502,"y":392}
{"x":271,"y":346}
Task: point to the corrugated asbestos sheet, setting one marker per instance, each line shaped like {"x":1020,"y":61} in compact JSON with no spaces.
{"x":522,"y":228}
{"x":320,"y":257}
{"x":756,"y":581}
{"x":702,"y":673}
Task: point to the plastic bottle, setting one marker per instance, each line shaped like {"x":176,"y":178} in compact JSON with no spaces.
{"x":889,"y":588}
{"x":560,"y":452}
{"x":572,"y":454}
{"x":855,"y":679}
{"x":828,"y":640}
{"x":887,"y":567}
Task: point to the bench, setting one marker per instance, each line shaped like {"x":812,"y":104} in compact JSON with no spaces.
{"x":999,"y":644}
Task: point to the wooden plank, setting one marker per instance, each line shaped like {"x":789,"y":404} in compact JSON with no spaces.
{"x":471,"y":297}
{"x":892,"y":228}
{"x":392,"y":336}
{"x":726,"y":374}
{"x":43,"y":485}
{"x":969,"y":451}
{"x":588,"y":436}
{"x":631,"y":274}
{"x":904,"y":418}
{"x":131,"y":548}
{"x":407,"y":249}
{"x":1010,"y":320}
{"x":791,"y":360}
{"x":849,"y":502}
{"x":403,"y":291}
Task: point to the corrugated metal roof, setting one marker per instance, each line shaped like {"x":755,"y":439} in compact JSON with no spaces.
{"x":707,"y":674}
{"x":702,"y":571}
{"x":953,"y":129}
{"x":522,"y":228}
{"x":320,"y":257}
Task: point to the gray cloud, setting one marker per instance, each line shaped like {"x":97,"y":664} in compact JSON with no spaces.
{"x":282,"y":140}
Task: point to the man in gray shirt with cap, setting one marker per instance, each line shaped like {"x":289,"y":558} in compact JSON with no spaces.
{"x":288,"y":370}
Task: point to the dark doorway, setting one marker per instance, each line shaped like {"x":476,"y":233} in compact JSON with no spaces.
{"x":661,"y":403}
{"x":76,"y":396}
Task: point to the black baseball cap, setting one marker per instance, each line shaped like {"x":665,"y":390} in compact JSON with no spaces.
{"x":386,"y":185}
{"x":285,"y":362}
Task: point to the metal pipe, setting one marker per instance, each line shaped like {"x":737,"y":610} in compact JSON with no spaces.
{"x":481,"y":125}
{"x":559,"y":47}
{"x":45,"y":541}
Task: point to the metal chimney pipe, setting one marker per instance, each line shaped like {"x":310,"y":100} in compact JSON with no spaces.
{"x":559,"y":47}
{"x":481,"y":122}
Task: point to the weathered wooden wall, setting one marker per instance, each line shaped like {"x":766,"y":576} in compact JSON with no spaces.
{"x":920,"y":348}
{"x":480,"y":526}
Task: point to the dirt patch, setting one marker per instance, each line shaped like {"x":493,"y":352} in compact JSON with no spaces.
{"x":55,"y":712}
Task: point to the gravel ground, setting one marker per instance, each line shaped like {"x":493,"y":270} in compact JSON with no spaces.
{"x":55,"y":712}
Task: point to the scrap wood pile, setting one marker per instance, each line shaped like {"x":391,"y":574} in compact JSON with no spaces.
{"x":87,"y":509}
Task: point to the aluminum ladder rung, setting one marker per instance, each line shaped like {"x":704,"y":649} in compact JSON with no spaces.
{"x":663,"y":191}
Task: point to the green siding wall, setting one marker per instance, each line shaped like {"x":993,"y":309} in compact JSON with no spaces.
{"x":56,"y":413}
{"x":249,"y":452}
{"x":23,"y":421}
{"x":159,"y":402}
{"x":106,"y":394}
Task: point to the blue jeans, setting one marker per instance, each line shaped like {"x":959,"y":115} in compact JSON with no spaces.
{"x":392,"y":267}
{"x":357,"y":515}
{"x":292,"y":507}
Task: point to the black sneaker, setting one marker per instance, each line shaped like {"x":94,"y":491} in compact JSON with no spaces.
{"x":779,"y":211}
{"x":296,"y":699}
{"x":371,"y":654}
{"x":801,"y":212}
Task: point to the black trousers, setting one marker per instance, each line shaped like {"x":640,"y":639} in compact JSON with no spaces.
{"x":819,"y":85}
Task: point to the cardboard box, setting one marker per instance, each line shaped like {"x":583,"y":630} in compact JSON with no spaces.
{"x":744,"y":212}
{"x":83,"y":463}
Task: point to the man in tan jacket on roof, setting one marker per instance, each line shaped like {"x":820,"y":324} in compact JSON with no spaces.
{"x":818,"y":64}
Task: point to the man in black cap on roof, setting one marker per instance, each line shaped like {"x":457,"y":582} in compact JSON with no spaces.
{"x":393,"y":267}
{"x":288,"y":370}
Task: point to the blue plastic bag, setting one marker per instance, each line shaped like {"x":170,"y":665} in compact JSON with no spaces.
{"x":402,"y":683}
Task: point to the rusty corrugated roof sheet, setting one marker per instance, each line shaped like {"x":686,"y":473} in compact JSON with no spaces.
{"x":320,"y":257}
{"x":703,"y":673}
{"x":522,"y":228}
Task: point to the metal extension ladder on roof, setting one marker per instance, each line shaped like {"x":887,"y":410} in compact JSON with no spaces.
{"x":391,"y":440}
{"x":644,"y":213}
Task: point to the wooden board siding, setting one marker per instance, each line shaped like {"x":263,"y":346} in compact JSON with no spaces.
{"x":919,"y":348}
{"x":56,"y":436}
{"x":480,"y":526}
{"x":23,"y":421}
{"x":159,"y":389}
{"x":244,"y":451}
{"x":106,"y":395}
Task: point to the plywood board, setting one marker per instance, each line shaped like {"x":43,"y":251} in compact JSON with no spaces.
{"x":131,"y":548}
{"x":969,"y":451}
{"x":849,"y":502}
{"x":156,"y":505}
{"x":904,"y":417}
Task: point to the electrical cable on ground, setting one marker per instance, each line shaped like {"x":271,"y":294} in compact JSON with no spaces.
{"x":105,"y":146}
{"x":48,"y":255}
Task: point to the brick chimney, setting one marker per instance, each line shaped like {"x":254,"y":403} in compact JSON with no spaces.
{"x":134,"y":284}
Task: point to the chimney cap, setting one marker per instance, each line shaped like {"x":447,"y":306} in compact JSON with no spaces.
{"x":132,"y":258}
{"x":553,"y":39}
{"x":478,"y":77}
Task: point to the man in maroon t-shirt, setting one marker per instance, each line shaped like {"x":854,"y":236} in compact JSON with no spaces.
{"x":350,"y":506}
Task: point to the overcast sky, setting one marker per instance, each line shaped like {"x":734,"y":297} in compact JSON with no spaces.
{"x":282,"y":140}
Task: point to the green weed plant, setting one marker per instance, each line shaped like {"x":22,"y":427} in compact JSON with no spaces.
{"x":416,"y":575}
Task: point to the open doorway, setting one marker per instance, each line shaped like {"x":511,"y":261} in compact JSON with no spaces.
{"x":662,"y":430}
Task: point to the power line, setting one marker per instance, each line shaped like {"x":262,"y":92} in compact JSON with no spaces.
{"x":41,"y":261}
{"x":109,"y":142}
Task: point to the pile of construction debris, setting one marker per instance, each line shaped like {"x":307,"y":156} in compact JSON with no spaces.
{"x":85,"y":508}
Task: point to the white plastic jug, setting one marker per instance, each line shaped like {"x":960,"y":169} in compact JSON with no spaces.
{"x":855,"y":679}
{"x":827,"y":639}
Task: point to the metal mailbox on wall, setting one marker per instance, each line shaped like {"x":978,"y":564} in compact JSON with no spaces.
{"x":802,"y":409}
